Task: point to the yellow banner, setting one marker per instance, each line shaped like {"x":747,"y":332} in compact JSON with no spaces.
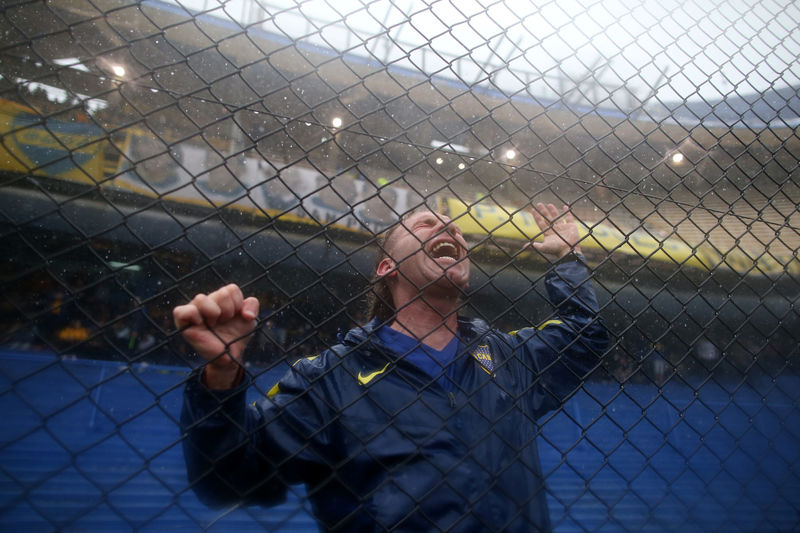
{"x":486,"y":219}
{"x":35,"y":145}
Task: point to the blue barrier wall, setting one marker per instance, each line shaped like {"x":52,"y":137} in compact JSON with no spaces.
{"x":94,"y":446}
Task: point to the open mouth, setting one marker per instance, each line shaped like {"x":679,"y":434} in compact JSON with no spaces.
{"x":445,"y":249}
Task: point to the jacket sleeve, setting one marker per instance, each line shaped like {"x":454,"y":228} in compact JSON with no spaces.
{"x":240,"y":453}
{"x":562,"y":351}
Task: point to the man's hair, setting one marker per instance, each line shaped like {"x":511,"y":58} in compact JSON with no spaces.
{"x":380,"y":303}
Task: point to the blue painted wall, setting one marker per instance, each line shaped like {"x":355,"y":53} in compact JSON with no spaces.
{"x":94,"y":446}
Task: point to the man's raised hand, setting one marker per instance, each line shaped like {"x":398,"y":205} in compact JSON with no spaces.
{"x":559,"y":231}
{"x":217,"y":326}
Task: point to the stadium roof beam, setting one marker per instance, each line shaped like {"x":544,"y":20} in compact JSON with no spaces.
{"x":476,"y":117}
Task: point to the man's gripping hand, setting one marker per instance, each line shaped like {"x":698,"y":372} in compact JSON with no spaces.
{"x":217,"y":326}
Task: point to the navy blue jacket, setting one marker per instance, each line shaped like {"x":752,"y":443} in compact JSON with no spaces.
{"x":382,"y":446}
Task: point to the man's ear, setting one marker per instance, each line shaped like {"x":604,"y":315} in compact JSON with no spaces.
{"x":386,"y":268}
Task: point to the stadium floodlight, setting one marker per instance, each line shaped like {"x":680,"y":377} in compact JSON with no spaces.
{"x":677,"y":158}
{"x":511,"y":154}
{"x":336,"y":122}
{"x":119,"y":265}
{"x":450,"y":146}
{"x":118,"y":70}
{"x":71,"y":62}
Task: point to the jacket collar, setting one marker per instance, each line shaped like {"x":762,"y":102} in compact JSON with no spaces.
{"x":470,"y":329}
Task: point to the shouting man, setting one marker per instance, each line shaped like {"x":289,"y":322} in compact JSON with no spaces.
{"x":422,"y":420}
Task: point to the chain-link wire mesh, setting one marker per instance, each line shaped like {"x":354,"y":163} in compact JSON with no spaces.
{"x":152,"y":151}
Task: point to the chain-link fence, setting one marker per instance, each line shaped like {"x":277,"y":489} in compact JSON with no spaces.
{"x":152,"y":151}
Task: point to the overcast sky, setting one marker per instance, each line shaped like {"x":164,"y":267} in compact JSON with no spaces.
{"x":675,"y":49}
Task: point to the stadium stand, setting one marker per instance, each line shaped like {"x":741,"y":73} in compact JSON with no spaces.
{"x":214,"y":158}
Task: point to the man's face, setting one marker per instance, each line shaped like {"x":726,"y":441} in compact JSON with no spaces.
{"x":428,"y":249}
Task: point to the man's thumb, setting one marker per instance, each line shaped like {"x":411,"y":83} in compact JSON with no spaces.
{"x":250,"y":308}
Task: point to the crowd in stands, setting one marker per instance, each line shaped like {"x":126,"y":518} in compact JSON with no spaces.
{"x":94,"y":324}
{"x":91,"y":325}
{"x":43,"y":315}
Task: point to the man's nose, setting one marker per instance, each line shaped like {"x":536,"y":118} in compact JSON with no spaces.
{"x":444,"y":224}
{"x":452,"y":228}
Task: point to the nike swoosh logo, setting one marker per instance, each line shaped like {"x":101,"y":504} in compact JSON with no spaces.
{"x":363,"y":380}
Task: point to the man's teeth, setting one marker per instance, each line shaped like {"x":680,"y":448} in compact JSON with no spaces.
{"x":445,"y":249}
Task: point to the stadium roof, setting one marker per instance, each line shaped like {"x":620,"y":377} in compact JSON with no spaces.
{"x":194,"y":32}
{"x":776,"y":108}
{"x":412,"y":43}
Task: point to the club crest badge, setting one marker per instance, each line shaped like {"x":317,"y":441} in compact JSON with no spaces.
{"x":484,"y":357}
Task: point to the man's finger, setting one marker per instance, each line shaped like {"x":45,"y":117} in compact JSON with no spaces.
{"x":229,"y":299}
{"x":186,"y":315}
{"x":550,"y":212}
{"x":250,"y":308}
{"x":538,"y":212}
{"x":208,"y":308}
